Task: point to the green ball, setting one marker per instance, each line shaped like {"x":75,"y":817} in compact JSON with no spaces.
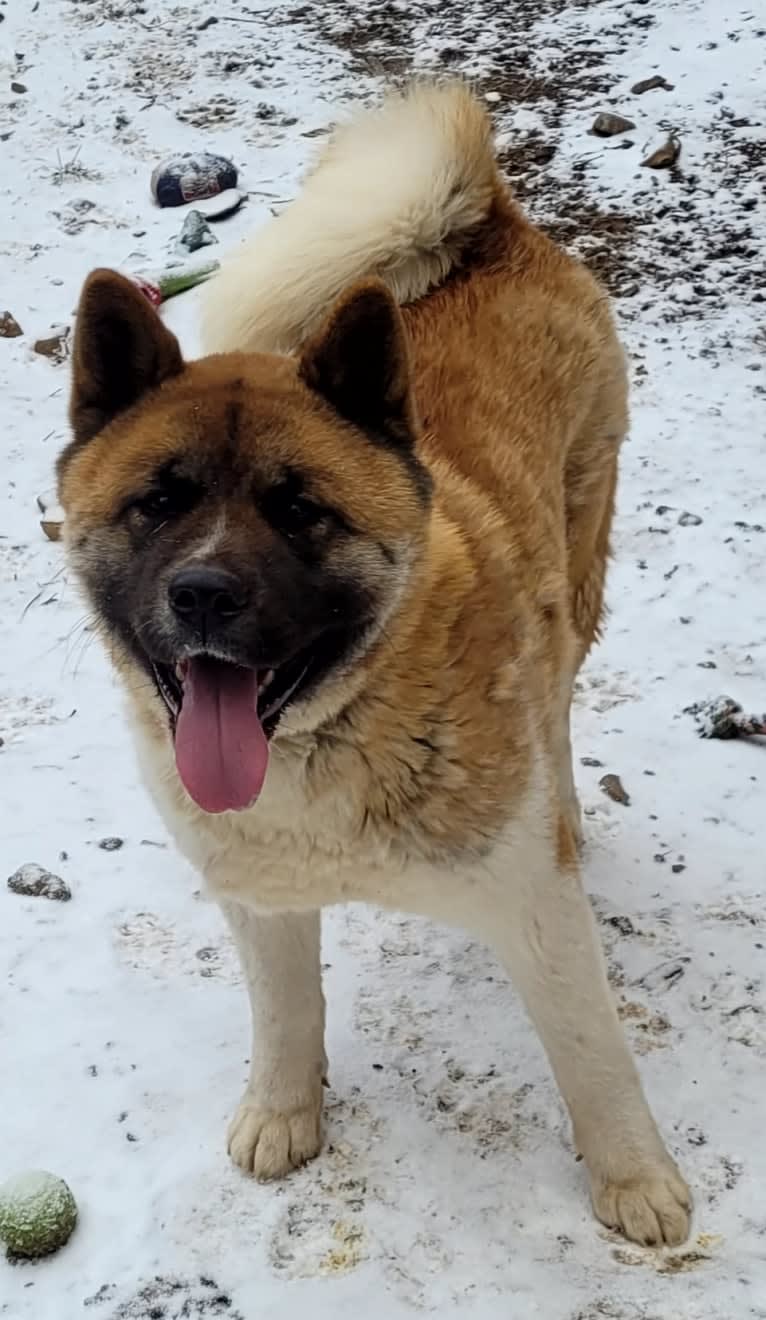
{"x":37,"y":1214}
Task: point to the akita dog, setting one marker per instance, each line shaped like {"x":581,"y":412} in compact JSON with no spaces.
{"x":348,"y":566}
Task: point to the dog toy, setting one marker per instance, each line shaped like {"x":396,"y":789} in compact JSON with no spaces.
{"x":38,"y":1214}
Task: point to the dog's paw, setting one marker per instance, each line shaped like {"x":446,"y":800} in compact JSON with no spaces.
{"x":270,"y":1144}
{"x":653,"y":1207}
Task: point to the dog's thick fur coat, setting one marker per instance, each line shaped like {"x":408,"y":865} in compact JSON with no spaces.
{"x":470,"y":440}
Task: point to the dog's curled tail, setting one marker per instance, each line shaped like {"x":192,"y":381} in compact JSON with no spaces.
{"x":394,"y":195}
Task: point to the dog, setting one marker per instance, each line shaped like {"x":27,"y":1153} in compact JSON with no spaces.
{"x":347,"y":565}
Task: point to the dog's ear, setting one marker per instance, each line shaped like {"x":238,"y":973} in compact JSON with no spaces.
{"x":358,"y":362}
{"x":121,"y":350}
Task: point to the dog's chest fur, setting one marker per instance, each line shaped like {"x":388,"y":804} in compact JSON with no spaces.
{"x":305,"y":846}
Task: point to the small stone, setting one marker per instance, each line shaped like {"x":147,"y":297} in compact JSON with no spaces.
{"x":52,"y":520}
{"x":492,"y":97}
{"x":689,"y":520}
{"x":54,"y":346}
{"x":112,"y":844}
{"x":206,"y":23}
{"x":591,"y":761}
{"x":196,"y":233}
{"x":52,"y":528}
{"x":38,"y":1214}
{"x":612,"y":786}
{"x":608,"y":125}
{"x":665,"y":156}
{"x":9,"y":326}
{"x":35,"y":882}
{"x":652,"y":84}
{"x":19,"y":88}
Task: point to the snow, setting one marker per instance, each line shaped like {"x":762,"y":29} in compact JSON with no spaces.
{"x":448,"y":1183}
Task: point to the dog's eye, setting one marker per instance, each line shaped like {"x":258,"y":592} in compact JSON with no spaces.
{"x":167,"y":501}
{"x":290,"y":513}
{"x":155,"y":505}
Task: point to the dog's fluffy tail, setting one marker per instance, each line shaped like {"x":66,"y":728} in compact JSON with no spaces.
{"x":393,"y":196}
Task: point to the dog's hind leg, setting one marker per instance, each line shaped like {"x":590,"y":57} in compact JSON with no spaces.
{"x":277,"y":1126}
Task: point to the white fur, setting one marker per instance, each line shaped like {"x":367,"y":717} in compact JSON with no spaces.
{"x":391,"y":196}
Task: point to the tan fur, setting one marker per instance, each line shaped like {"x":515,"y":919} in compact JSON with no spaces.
{"x":435,"y":772}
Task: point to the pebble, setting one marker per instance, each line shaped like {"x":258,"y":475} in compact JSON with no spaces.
{"x":189,"y":177}
{"x":652,"y":84}
{"x":612,"y":786}
{"x":9,"y":326}
{"x":35,"y":881}
{"x":19,"y":88}
{"x":689,"y":520}
{"x":665,"y":156}
{"x":608,"y":125}
{"x":52,"y":520}
{"x":54,"y":346}
{"x":196,"y":233}
{"x":112,"y":844}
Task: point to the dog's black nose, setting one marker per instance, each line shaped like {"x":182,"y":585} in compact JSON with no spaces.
{"x":205,"y":597}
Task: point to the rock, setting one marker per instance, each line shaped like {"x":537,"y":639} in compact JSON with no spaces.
{"x":689,"y":520}
{"x":206,"y":23}
{"x":612,"y":786}
{"x":111,"y":845}
{"x":608,"y":125}
{"x":19,"y":88}
{"x":35,"y":882}
{"x":591,"y":761}
{"x":196,"y":233}
{"x":9,"y":326}
{"x":221,"y":206}
{"x":52,"y":520}
{"x":189,"y":177}
{"x":54,"y":346}
{"x":665,"y":156}
{"x":52,"y":525}
{"x":38,"y":1214}
{"x":652,"y":84}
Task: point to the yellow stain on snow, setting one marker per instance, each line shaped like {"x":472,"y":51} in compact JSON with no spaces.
{"x":348,"y":1253}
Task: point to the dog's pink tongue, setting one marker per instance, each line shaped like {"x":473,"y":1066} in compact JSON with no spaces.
{"x":221,"y":750}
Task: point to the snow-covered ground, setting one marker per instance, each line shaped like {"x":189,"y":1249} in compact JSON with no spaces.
{"x":448,"y":1184}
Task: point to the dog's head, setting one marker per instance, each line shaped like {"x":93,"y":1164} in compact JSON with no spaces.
{"x":243,"y":525}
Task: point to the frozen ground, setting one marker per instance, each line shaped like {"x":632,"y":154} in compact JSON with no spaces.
{"x":448,"y":1185}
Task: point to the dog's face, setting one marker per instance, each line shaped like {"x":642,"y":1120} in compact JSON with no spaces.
{"x":244,"y":525}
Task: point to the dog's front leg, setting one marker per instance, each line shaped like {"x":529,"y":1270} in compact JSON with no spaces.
{"x":543,"y":927}
{"x":277,"y":1126}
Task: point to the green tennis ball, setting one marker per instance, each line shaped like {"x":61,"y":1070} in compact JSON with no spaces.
{"x":37,"y":1214}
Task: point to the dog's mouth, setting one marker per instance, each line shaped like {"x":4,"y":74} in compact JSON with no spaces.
{"x":222,"y":716}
